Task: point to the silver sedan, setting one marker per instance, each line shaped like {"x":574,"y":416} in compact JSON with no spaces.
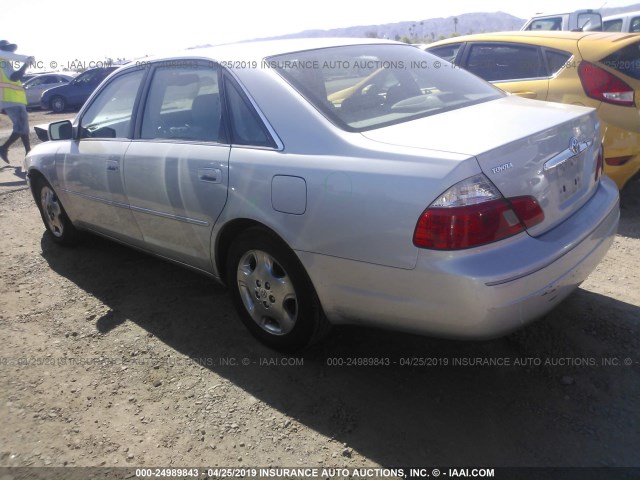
{"x":331,"y":181}
{"x":38,"y":84}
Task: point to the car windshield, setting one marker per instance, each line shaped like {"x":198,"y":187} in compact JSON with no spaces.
{"x":90,"y":76}
{"x":369,"y":86}
{"x":32,"y":81}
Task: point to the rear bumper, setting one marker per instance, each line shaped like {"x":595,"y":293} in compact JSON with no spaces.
{"x":621,"y":143}
{"x":479,"y":293}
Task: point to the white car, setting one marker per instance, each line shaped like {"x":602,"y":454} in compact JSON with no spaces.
{"x":330,"y":181}
{"x":623,"y":22}
{"x":578,"y":21}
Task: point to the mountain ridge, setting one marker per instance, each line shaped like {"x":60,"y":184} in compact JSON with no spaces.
{"x":434,"y":28}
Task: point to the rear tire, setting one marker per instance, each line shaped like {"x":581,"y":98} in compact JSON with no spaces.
{"x":58,"y":104}
{"x":53,"y":214}
{"x":272,"y":292}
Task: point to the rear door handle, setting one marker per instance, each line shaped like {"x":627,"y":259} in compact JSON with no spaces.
{"x":113,"y":165}
{"x":210,"y":175}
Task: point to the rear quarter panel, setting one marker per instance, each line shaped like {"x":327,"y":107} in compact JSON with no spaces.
{"x":363,"y":198}
{"x":361,"y":205}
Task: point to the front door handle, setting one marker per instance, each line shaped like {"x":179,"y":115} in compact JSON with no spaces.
{"x":113,"y":165}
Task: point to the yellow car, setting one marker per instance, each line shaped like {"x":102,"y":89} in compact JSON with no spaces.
{"x":595,"y":69}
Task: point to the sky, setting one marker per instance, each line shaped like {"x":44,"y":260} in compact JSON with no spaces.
{"x":66,"y":31}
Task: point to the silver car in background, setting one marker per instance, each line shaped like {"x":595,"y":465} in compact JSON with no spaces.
{"x":332,"y":181}
{"x":38,"y":84}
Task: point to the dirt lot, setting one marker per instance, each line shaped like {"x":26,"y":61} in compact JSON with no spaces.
{"x":111,"y":357}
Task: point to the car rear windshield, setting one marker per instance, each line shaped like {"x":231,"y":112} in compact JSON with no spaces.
{"x":626,"y":60}
{"x":364,"y":87}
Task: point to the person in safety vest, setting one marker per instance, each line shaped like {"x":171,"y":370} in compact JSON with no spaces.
{"x":13,"y":98}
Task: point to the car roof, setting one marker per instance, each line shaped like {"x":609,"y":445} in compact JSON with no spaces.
{"x":618,"y":16}
{"x":593,"y":45}
{"x":556,"y":14}
{"x":97,"y":69}
{"x":547,"y":37}
{"x":259,"y":50}
{"x":40,"y":74}
{"x":533,"y":35}
{"x":35,"y":76}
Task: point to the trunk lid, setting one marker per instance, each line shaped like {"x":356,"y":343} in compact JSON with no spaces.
{"x":525,"y":147}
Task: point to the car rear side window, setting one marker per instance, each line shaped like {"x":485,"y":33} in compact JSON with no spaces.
{"x":612,"y":26}
{"x":626,"y":60}
{"x":246,"y":127}
{"x":183,"y":103}
{"x":500,"y":62}
{"x":556,"y":60}
{"x":448,"y":52}
{"x":109,"y":115}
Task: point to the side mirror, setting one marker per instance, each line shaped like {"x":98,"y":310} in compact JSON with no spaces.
{"x":60,"y":130}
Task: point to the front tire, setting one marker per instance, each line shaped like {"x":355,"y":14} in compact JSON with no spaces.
{"x":58,"y":104}
{"x":272,"y":293}
{"x":53,"y":214}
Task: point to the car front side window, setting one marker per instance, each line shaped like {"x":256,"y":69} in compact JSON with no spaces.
{"x":551,"y":23}
{"x":110,"y":113}
{"x":183,"y":103}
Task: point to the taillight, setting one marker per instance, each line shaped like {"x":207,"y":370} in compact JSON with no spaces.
{"x":528,"y":210}
{"x":473,"y":213}
{"x":604,"y":86}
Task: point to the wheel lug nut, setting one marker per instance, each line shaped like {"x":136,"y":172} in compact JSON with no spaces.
{"x":258,"y":283}
{"x":267,"y":286}
{"x":272,"y":299}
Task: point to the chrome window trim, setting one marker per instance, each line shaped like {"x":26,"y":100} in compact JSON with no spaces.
{"x":520,"y":80}
{"x":179,"y":141}
{"x":279,"y":144}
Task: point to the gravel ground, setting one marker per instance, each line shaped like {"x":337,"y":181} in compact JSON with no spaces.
{"x":111,"y":357}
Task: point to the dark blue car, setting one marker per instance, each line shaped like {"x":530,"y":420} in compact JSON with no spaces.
{"x":76,"y":92}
